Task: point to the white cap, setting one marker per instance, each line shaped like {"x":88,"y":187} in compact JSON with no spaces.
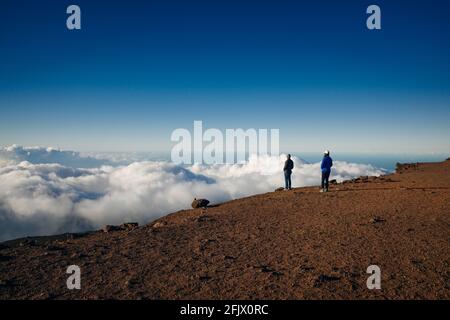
{"x":326,"y":152}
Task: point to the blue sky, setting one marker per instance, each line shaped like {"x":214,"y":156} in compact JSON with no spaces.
{"x":140,"y":69}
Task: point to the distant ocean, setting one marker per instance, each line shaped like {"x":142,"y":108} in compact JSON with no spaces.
{"x":382,"y":161}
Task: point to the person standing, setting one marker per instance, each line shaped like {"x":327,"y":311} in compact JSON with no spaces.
{"x":288,"y":166}
{"x":325,"y":167}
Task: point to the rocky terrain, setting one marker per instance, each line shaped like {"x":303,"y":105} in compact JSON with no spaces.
{"x":298,"y":244}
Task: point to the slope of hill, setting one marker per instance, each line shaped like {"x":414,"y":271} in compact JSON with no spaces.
{"x":297,"y":244}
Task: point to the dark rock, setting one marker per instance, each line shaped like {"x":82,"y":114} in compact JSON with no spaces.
{"x":199,"y":203}
{"x":279,"y":189}
{"x":334,"y":181}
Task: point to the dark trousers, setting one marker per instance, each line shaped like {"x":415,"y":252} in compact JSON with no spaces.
{"x":325,"y":178}
{"x":287,"y":178}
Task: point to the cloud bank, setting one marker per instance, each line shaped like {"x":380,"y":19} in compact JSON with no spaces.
{"x":14,"y":154}
{"x":41,"y":193}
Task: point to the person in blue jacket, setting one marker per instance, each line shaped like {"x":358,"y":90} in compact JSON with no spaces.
{"x":326,"y":165}
{"x":288,"y":167}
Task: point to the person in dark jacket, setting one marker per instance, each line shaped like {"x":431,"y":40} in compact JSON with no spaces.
{"x":325,"y":167}
{"x":288,"y":166}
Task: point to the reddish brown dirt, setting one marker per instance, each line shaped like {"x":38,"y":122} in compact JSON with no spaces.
{"x":297,"y":244}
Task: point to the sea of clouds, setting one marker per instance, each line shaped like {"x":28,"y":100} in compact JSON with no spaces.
{"x":47,"y":191}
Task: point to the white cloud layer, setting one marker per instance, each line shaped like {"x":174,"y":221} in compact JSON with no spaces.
{"x":44,"y":191}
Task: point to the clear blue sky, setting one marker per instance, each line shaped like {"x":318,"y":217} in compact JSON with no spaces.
{"x":139,"y":69}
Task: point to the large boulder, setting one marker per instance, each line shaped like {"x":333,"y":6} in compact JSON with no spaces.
{"x":199,"y":203}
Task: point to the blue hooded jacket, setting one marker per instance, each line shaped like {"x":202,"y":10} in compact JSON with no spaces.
{"x":327,"y":163}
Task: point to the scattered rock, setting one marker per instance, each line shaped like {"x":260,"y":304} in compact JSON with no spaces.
{"x":123,"y":227}
{"x":131,"y":282}
{"x":277,"y":273}
{"x":53,"y":248}
{"x":377,"y":220}
{"x":129,"y":226}
{"x":27,"y":242}
{"x":109,"y":228}
{"x":323,"y":278}
{"x":264,"y":268}
{"x":204,"y":244}
{"x":203,"y":218}
{"x":401,"y":167}
{"x":158,"y":224}
{"x":279,"y":189}
{"x":199,"y":203}
{"x":306,"y":268}
{"x":204,"y":278}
